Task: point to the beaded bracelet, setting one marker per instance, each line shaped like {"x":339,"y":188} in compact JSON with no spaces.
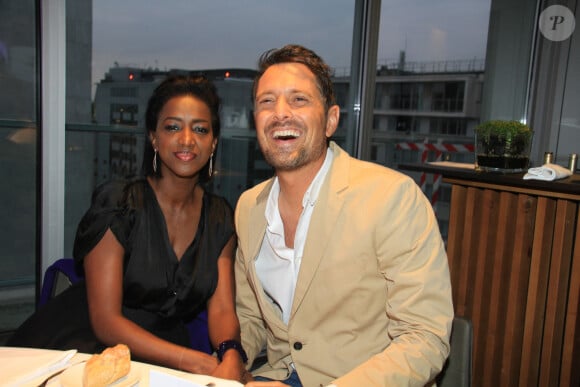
{"x":231,"y":344}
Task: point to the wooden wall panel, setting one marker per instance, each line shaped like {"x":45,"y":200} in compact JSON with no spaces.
{"x":515,"y":271}
{"x":560,"y":265}
{"x":483,"y":271}
{"x":571,"y":348}
{"x":518,"y":288}
{"x":537,"y":292}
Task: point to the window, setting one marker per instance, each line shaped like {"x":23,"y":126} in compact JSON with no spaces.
{"x":417,"y":43}
{"x":124,"y":92}
{"x":448,"y":126}
{"x":448,"y":96}
{"x":123,"y":155}
{"x":124,"y":114}
{"x":18,"y":154}
{"x":428,"y":83}
{"x":404,"y":96}
{"x":405,"y":124}
{"x":127,"y":58}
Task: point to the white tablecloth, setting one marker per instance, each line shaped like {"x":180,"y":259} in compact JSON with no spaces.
{"x":24,"y":367}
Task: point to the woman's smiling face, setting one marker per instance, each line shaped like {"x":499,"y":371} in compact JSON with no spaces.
{"x":183,"y":136}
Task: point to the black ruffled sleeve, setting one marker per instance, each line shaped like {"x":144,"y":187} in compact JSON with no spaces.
{"x":108,"y":210}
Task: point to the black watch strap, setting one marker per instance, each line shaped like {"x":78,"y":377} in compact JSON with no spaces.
{"x":231,"y":344}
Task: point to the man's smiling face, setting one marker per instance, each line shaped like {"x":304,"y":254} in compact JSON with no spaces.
{"x":291,"y":122}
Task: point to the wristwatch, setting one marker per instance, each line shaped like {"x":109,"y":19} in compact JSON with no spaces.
{"x":231,"y":344}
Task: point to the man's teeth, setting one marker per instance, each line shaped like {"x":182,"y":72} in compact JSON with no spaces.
{"x":286,"y":134}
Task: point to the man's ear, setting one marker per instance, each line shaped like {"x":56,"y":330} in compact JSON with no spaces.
{"x":332,"y":118}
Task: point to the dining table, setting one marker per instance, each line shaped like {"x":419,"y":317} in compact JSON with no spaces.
{"x":33,"y":367}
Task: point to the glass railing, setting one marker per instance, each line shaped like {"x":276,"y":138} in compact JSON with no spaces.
{"x":18,"y":154}
{"x":18,"y":206}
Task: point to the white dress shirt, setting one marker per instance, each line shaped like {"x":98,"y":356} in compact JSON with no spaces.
{"x":277,"y":265}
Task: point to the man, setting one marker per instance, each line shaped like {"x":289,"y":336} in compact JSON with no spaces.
{"x":341,"y":273}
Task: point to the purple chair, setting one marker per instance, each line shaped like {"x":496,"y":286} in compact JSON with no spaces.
{"x":199,"y":334}
{"x":58,"y":276}
{"x":61,"y":274}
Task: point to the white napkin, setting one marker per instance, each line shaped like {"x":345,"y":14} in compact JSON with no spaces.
{"x":22,"y":366}
{"x":547,"y":172}
{"x":162,"y":379}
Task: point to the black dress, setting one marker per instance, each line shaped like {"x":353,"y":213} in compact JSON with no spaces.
{"x":160,"y":293}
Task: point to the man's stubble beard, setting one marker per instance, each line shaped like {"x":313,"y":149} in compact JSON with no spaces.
{"x":284,"y":162}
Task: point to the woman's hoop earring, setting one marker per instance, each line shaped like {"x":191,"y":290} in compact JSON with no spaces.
{"x":155,"y":161}
{"x":210,"y":165}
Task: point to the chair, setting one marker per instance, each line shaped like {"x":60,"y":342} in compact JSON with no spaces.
{"x":457,"y":369}
{"x":61,"y":274}
{"x":58,"y":276}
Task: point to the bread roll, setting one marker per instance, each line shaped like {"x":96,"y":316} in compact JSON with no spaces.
{"x":107,"y":367}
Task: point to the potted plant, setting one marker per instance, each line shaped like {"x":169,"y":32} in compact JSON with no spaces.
{"x":503,"y":146}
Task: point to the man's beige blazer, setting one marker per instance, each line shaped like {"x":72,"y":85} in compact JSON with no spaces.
{"x":372,"y":304}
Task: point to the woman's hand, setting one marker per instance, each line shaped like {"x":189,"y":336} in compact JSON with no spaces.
{"x":232,"y":368}
{"x":197,"y":362}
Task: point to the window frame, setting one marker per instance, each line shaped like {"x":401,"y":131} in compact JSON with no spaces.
{"x":52,"y":131}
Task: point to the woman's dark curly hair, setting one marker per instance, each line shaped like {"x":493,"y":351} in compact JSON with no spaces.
{"x":176,"y":86}
{"x":293,"y":53}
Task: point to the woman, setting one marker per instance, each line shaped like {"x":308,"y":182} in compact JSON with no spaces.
{"x":155,"y":251}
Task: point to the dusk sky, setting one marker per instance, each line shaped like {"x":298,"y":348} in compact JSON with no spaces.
{"x":198,"y":34}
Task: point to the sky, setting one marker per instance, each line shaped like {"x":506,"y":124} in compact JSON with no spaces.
{"x":196,"y":34}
